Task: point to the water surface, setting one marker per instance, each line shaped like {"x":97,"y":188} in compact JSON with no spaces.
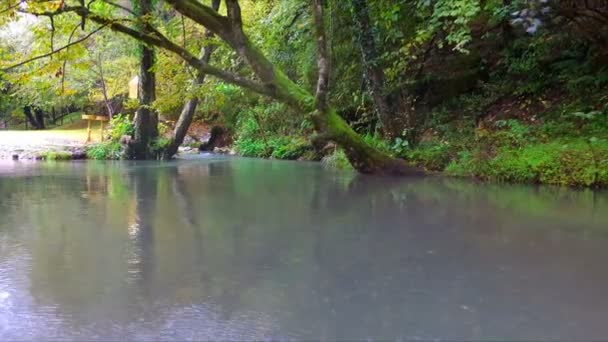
{"x":241,"y":249}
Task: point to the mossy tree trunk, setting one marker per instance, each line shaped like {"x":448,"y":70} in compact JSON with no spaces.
{"x":364,"y":157}
{"x":270,"y":80}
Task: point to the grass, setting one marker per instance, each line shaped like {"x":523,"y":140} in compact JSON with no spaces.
{"x":56,"y":155}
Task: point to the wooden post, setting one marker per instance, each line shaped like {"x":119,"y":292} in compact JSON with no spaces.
{"x":88,"y":131}
{"x":91,"y":118}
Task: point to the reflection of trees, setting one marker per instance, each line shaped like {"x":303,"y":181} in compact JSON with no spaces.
{"x":317,"y":253}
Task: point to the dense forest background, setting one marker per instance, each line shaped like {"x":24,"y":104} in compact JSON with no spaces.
{"x":502,"y":90}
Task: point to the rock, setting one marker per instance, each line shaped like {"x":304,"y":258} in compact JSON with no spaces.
{"x":79,"y":154}
{"x":222,"y":150}
{"x":15,"y":157}
{"x":187,"y":149}
{"x":125,"y":140}
{"x":189,"y":140}
{"x":215,"y":139}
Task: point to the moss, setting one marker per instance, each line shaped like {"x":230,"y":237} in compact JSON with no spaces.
{"x":575,"y":162}
{"x":56,"y":155}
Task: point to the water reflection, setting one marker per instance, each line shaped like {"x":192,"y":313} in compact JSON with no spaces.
{"x":246,"y":249}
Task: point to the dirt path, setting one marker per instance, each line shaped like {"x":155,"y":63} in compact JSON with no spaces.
{"x":29,"y":144}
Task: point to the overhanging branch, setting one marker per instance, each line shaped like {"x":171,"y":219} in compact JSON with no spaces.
{"x":55,"y":51}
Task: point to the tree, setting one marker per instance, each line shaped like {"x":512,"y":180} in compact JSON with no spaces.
{"x":269,"y":79}
{"x":187,"y":113}
{"x":146,"y":118}
{"x":387,"y":115}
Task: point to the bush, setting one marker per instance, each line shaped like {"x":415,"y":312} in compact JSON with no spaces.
{"x":105,"y":150}
{"x":121,"y":125}
{"x":249,"y":147}
{"x":433,"y":156}
{"x":56,"y":155}
{"x":575,"y":162}
{"x":289,"y":148}
{"x":337,"y":160}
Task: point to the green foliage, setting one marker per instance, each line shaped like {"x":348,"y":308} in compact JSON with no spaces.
{"x":105,"y":150}
{"x":433,"y":156}
{"x":378,"y":142}
{"x":120,"y":126}
{"x":337,"y":160}
{"x":270,"y":131}
{"x":159,"y":145}
{"x":571,"y":162}
{"x":56,"y":155}
{"x":289,"y":147}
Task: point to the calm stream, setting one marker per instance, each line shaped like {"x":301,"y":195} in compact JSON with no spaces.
{"x":243,"y":249}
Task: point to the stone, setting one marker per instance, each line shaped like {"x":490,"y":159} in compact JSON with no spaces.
{"x":222,"y":150}
{"x":15,"y":157}
{"x":79,"y":154}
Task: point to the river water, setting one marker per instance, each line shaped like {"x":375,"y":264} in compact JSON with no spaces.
{"x":244,"y":249}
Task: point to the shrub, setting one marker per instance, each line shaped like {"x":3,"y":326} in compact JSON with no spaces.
{"x":105,"y":150}
{"x":121,"y":125}
{"x":574,"y":162}
{"x":289,"y":148}
{"x":56,"y":155}
{"x":431,"y":155}
{"x":337,"y":160}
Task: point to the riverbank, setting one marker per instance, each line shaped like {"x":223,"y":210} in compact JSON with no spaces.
{"x":32,"y":145}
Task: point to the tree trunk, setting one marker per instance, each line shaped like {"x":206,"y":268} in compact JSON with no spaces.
{"x":270,"y":81}
{"x":146,"y":118}
{"x":187,"y":113}
{"x":373,"y":72}
{"x":364,"y":157}
{"x":27,"y":111}
{"x":39,"y":114}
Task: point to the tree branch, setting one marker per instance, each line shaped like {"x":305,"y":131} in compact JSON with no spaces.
{"x":156,"y":38}
{"x":65,"y":61}
{"x":11,"y":7}
{"x":234,"y":13}
{"x":56,"y":51}
{"x":120,"y":7}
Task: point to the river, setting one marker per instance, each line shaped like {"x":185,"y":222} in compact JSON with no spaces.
{"x":245,"y":249}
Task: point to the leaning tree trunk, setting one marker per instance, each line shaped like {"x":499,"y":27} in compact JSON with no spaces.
{"x":187,"y":113}
{"x":270,"y":81}
{"x":146,"y":118}
{"x":364,"y":157}
{"x":373,"y":72}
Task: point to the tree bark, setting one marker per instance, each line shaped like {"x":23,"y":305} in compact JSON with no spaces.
{"x":146,"y":118}
{"x":187,"y":114}
{"x":27,"y":111}
{"x":39,"y":114}
{"x":374,"y":74}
